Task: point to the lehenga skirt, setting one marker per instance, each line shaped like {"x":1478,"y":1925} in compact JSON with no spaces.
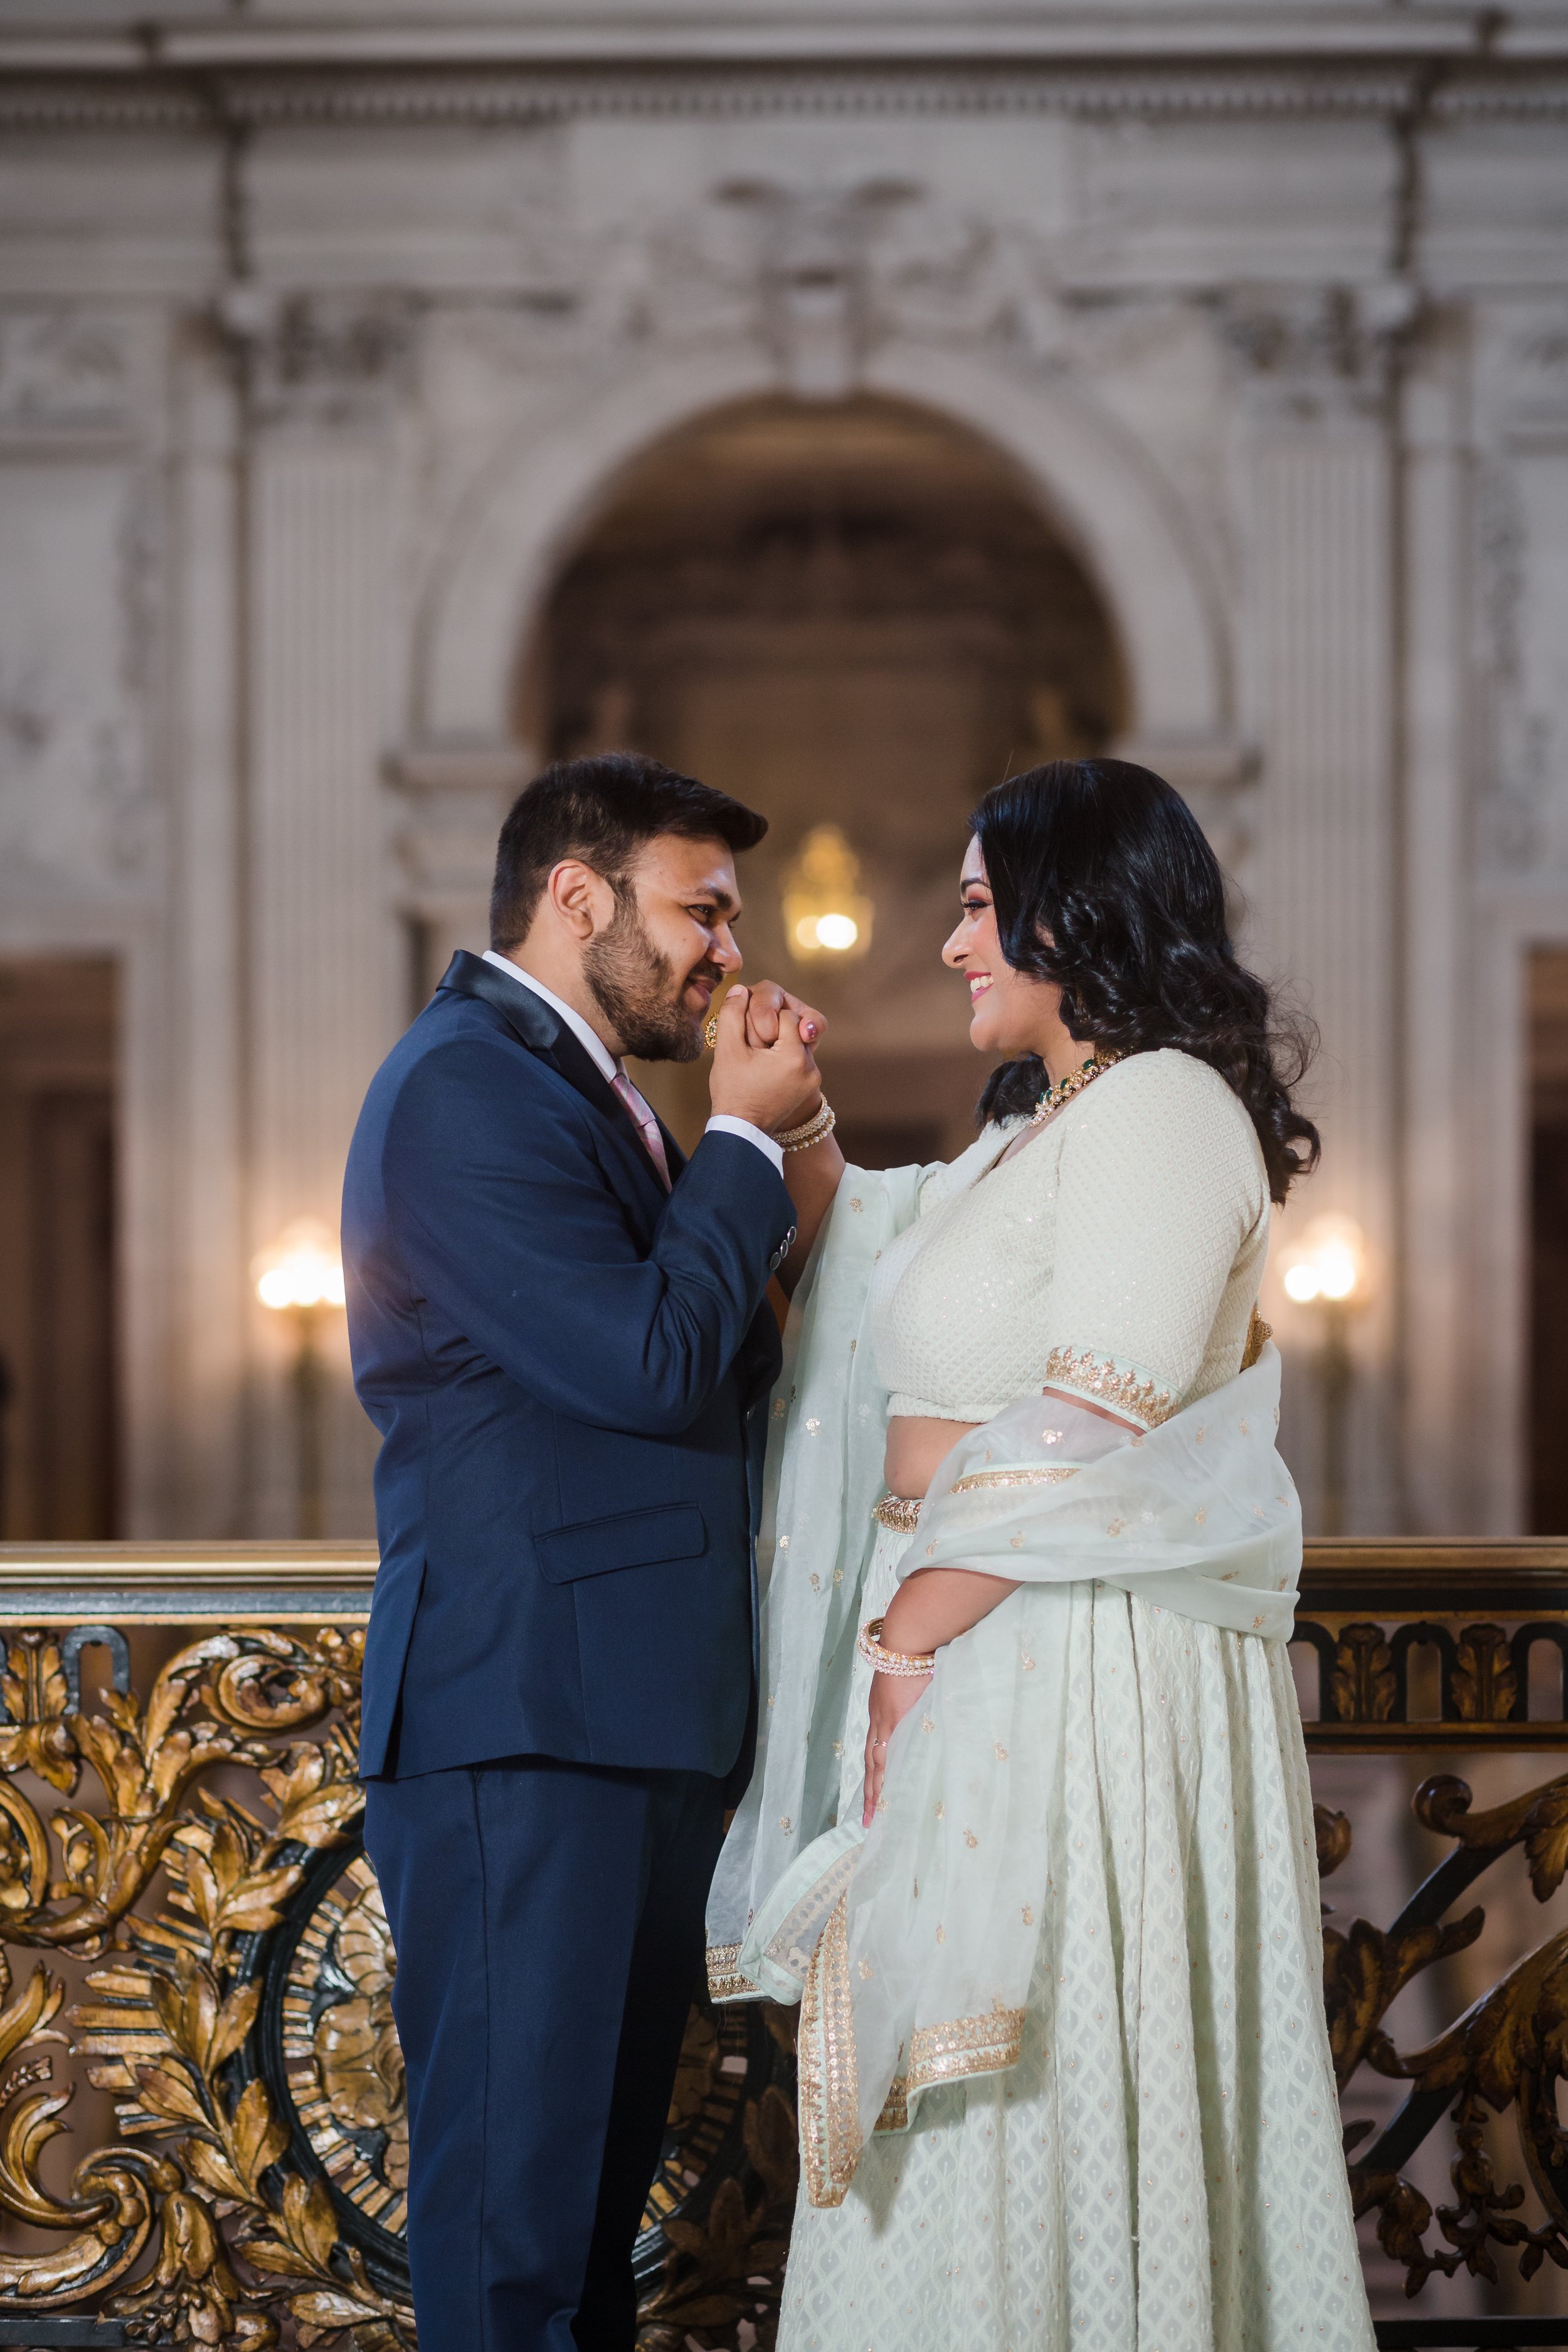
{"x":1161,"y":2171}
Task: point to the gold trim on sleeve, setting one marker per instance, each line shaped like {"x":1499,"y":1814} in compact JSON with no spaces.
{"x":1102,"y":1378}
{"x":725,"y":1981}
{"x":895,"y":2114}
{"x":1258,"y":1334}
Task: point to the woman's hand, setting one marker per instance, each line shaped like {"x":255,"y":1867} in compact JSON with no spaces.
{"x":768,"y":1007}
{"x":892,"y":1695}
{"x":761,"y":1082}
{"x":811,"y":1175}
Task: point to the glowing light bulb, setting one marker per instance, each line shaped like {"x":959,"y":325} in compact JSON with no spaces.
{"x":836,"y":933}
{"x":302,"y":1268}
{"x":1337,"y":1273}
{"x":1328,"y":1262}
{"x":825,"y":912}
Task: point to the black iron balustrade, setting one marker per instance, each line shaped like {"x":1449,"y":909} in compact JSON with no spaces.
{"x":189,"y":1929}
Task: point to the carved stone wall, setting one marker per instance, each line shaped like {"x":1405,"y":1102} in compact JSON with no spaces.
{"x":317,"y":373}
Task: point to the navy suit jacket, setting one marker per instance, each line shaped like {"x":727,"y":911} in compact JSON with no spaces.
{"x":562,"y":1360}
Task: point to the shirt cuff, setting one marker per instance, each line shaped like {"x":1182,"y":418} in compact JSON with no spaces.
{"x":722,"y":1124}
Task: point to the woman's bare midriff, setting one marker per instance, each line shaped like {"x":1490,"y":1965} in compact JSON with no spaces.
{"x":917,"y":1442}
{"x":916,"y":1445}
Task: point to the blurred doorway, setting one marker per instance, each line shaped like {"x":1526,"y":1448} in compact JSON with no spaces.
{"x":857,"y":614}
{"x":1548,"y":1014}
{"x":58,"y":1403}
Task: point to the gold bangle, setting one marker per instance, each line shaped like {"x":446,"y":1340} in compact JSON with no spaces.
{"x":900,"y":1513}
{"x":801,"y":1139}
{"x":907,"y":1663}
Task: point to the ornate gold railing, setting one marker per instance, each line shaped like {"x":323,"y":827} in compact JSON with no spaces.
{"x":192,"y":1955}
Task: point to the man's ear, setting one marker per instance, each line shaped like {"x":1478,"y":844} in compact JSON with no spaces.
{"x":581,"y":899}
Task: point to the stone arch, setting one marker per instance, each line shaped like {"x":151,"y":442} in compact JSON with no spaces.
{"x":542,"y":495}
{"x":778,"y":587}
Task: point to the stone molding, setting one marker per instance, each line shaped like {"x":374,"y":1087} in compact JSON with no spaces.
{"x":1530,"y":374}
{"x":320,"y":358}
{"x":1318,"y":352}
{"x":453,"y":797}
{"x":1217,"y":776}
{"x":154,"y":100}
{"x":65,"y":368}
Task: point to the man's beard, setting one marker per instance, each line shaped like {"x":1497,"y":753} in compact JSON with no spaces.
{"x":634,"y":987}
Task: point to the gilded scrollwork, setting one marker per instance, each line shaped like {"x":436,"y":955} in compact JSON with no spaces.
{"x":168,"y":2028}
{"x":1363,"y":1683}
{"x":1484,"y":1681}
{"x":201,"y":1851}
{"x":723,"y":2260}
{"x":1507,"y":2051}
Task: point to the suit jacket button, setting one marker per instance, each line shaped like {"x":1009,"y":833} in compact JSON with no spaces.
{"x":783,"y":1250}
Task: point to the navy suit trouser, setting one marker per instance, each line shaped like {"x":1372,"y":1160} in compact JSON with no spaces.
{"x":549,"y":1925}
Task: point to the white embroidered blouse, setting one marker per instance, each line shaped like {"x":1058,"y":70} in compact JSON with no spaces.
{"x":1117,"y":1255}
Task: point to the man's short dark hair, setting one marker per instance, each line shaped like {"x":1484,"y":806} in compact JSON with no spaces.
{"x":601,"y":810}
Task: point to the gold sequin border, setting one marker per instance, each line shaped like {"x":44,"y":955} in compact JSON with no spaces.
{"x":973,"y":1481}
{"x":830,"y":2078}
{"x":948,"y":2054}
{"x":970,"y":2046}
{"x":1108,"y":1382}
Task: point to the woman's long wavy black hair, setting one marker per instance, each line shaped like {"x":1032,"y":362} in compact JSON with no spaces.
{"x":1104,"y":883}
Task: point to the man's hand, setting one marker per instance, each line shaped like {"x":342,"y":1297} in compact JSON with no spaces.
{"x":760,"y":1078}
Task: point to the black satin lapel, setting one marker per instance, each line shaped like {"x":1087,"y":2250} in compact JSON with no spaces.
{"x":532,"y":1020}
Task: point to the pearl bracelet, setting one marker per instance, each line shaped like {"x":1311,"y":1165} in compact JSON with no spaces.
{"x":911,"y":1662}
{"x":801,"y":1139}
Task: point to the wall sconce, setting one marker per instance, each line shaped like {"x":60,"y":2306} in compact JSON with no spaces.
{"x":827,"y":918}
{"x":301,"y":1274}
{"x":1326,"y":1267}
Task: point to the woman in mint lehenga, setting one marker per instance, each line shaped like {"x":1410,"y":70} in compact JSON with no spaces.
{"x":1044,"y":1881}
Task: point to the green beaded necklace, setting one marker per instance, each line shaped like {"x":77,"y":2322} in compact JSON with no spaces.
{"x":1074,"y":1084}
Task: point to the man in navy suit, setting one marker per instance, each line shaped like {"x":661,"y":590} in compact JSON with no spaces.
{"x":560,"y":1328}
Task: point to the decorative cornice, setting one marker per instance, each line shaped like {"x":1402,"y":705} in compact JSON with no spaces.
{"x":158,"y":98}
{"x":1517,"y":96}
{"x":640,"y":33}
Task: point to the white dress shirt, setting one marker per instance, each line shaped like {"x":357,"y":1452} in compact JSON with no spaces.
{"x":722,"y":1123}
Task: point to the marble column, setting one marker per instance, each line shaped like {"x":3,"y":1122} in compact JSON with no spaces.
{"x":1320,"y":617}
{"x":325,"y":998}
{"x":202,"y":1476}
{"x":1444,"y":1469}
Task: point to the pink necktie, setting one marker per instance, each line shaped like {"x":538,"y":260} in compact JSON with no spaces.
{"x":647,"y":1126}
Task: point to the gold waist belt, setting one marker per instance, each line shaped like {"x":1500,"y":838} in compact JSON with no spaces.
{"x":899,"y":1513}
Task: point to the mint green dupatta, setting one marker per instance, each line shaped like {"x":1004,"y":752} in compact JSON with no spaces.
{"x":911,"y":1947}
